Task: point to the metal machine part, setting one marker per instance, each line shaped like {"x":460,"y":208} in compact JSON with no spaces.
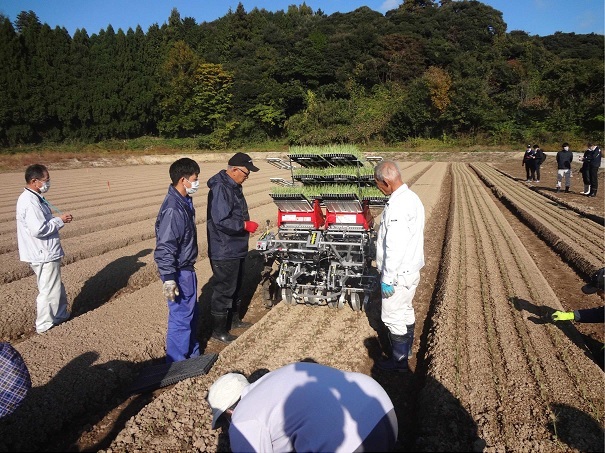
{"x":323,"y":250}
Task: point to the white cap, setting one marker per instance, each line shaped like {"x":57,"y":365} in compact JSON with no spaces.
{"x":225,"y":392}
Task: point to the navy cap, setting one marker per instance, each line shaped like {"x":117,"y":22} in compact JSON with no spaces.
{"x":242,"y":160}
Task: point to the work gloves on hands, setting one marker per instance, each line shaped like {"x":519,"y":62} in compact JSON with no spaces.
{"x":387,"y":290}
{"x":250,"y":226}
{"x":563,"y":316}
{"x":170,"y":290}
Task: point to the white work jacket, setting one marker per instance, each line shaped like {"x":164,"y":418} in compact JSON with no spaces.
{"x":37,"y":229}
{"x":400,"y":241}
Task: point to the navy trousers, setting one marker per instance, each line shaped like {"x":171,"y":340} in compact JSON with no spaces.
{"x":226,"y":282}
{"x":181,"y":338}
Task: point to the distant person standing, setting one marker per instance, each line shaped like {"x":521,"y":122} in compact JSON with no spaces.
{"x":40,"y":246}
{"x":529,"y":161}
{"x":564,"y":159}
{"x":593,"y":168}
{"x":585,"y":170}
{"x":540,"y":157}
{"x":175,"y":254}
{"x":229,"y":226}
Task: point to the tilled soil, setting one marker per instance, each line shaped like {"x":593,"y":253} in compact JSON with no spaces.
{"x":489,"y":373}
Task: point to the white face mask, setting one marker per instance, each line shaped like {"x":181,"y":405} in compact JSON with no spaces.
{"x":194,"y":186}
{"x":566,"y":148}
{"x":45,"y":187}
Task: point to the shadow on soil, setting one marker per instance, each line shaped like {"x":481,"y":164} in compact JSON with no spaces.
{"x":593,"y":349}
{"x":430,"y":418}
{"x":577,"y":429}
{"x":81,"y":388}
{"x":104,"y":285}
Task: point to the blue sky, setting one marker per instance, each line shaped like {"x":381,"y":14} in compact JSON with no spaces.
{"x":536,"y":17}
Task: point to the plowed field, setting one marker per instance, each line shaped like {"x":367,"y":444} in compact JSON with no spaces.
{"x":489,"y":372}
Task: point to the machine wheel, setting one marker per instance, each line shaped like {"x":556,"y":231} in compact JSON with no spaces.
{"x":286,"y":296}
{"x":355,"y":302}
{"x":338,"y":303}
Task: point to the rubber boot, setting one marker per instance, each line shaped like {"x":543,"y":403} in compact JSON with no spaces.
{"x":586,"y":189}
{"x":398,"y":362}
{"x":236,"y":322}
{"x":592,"y":194}
{"x":219,"y":328}
{"x":567,"y":189}
{"x":557,"y":189}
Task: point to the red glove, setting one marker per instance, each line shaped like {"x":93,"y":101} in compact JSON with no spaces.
{"x":250,"y":226}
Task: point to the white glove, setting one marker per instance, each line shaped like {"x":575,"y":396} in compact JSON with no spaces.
{"x":170,"y":290}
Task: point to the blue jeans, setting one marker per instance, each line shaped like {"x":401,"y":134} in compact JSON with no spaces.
{"x":181,"y":338}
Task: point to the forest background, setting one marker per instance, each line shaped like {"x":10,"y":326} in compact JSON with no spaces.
{"x":442,"y":72}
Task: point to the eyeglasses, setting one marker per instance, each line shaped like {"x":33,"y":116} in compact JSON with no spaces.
{"x":246,"y":174}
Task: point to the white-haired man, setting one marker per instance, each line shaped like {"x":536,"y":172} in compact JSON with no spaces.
{"x":399,"y":258}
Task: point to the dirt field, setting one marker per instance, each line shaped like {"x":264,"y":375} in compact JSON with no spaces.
{"x":489,"y":373}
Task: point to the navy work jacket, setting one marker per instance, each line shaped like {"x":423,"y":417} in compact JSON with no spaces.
{"x":227,"y":212}
{"x":175,"y":235}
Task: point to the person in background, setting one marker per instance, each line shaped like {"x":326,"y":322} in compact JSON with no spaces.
{"x":175,"y":255}
{"x":399,"y":258}
{"x":15,"y":381}
{"x":304,"y":407}
{"x":40,"y":246}
{"x":529,"y":161}
{"x":593,"y":169}
{"x":540,"y":157}
{"x":584,"y":171}
{"x":229,"y":226}
{"x":564,"y":159}
{"x":596,"y":284}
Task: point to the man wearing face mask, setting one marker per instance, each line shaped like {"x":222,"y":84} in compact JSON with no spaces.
{"x":40,"y":246}
{"x":175,"y":255}
{"x":229,"y":227}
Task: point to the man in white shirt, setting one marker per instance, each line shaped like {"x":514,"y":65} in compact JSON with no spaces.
{"x":304,"y":407}
{"x":39,"y":245}
{"x":399,"y":258}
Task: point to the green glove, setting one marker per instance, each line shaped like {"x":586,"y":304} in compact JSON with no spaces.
{"x":563,"y":316}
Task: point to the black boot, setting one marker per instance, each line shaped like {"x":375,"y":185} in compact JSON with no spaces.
{"x":236,"y":322}
{"x":567,"y":190}
{"x":592,"y":194}
{"x":219,"y":328}
{"x":398,"y":361}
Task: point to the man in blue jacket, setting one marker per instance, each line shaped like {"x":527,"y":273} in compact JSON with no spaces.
{"x":175,"y":254}
{"x":229,"y":227}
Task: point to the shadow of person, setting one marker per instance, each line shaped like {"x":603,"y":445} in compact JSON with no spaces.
{"x":79,"y":389}
{"x":373,"y":310}
{"x":101,"y":287}
{"x":425,"y":410}
{"x":343,"y":406}
{"x":577,"y":429}
{"x":204,"y":327}
{"x":592,"y":348}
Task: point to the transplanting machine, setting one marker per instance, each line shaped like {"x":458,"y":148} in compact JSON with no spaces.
{"x":325,"y":242}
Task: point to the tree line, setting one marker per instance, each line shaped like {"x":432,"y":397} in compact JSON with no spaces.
{"x":428,"y":69}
